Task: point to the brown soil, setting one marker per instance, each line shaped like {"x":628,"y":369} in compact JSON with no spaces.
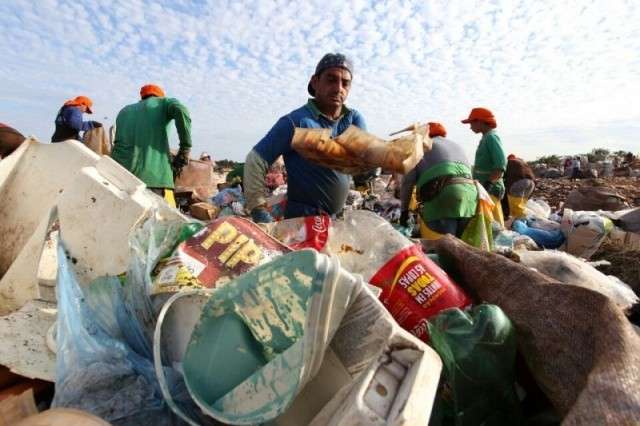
{"x":555,"y":191}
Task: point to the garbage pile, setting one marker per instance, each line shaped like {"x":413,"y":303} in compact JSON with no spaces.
{"x":556,"y":191}
{"x":166,"y":319}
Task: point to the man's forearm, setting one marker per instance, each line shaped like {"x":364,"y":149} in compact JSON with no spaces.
{"x":255,"y":187}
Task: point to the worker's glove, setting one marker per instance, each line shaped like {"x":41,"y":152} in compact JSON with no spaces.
{"x":261,"y":215}
{"x":180,"y":161}
{"x":404,"y":218}
{"x":96,"y":124}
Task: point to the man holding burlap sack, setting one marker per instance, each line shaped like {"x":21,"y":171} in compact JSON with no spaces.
{"x":312,"y":189}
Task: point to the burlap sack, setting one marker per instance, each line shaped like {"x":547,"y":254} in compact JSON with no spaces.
{"x":592,"y":198}
{"x":97,"y":140}
{"x":581,"y":349}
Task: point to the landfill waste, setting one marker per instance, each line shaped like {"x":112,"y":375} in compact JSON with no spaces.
{"x":225,"y":248}
{"x":537,"y":208}
{"x":97,"y":140}
{"x":302,"y":232}
{"x":556,"y":191}
{"x":227,"y":197}
{"x":198,"y":178}
{"x":543,"y":238}
{"x":413,"y":287}
{"x":630,"y":221}
{"x":320,"y":350}
{"x":62,"y":417}
{"x":277,"y":202}
{"x":478,"y":350}
{"x":595,"y":198}
{"x":579,"y":346}
{"x":584,"y":231}
{"x":103,"y":361}
{"x":355,"y":151}
{"x":204,"y":211}
{"x":569,"y":269}
{"x":355,"y":200}
{"x":511,"y":240}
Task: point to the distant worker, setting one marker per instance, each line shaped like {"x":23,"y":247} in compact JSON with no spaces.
{"x":312,"y":189}
{"x":490,"y":161}
{"x":234,"y":177}
{"x":141,"y":144}
{"x":69,"y":122}
{"x":575,"y":168}
{"x":444,"y":185}
{"x":10,"y":140}
{"x":519,"y":182}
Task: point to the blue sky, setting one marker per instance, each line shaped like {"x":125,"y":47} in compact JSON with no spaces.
{"x":561,"y":77}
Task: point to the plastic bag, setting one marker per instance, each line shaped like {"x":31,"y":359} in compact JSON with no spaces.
{"x":569,"y":269}
{"x":478,"y":350}
{"x":103,"y":364}
{"x":546,"y":239}
{"x":227,"y":197}
{"x":538,"y":208}
{"x":511,"y":240}
{"x":584,"y":231}
{"x":413,"y":287}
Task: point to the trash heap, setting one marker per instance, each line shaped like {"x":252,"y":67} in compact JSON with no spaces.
{"x":314,"y":320}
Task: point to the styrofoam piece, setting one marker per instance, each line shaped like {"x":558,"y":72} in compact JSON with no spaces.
{"x":23,"y":335}
{"x":97,"y":201}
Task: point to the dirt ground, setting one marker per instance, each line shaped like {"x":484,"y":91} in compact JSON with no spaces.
{"x":555,"y":191}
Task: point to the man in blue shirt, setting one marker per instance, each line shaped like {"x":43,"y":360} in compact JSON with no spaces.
{"x":311,"y":189}
{"x":69,"y":122}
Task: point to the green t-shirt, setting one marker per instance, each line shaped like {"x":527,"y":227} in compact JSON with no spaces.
{"x":236,"y":175}
{"x":141,"y":144}
{"x":454,"y":201}
{"x":490,"y":157}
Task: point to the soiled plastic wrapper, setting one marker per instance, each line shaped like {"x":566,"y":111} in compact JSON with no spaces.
{"x":226,"y":248}
{"x":356,"y":151}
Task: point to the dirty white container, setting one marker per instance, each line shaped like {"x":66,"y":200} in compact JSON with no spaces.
{"x":97,"y":202}
{"x":372,"y":371}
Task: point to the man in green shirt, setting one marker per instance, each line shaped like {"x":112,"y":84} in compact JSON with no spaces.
{"x":444,"y":185}
{"x":490,"y":162}
{"x":141,"y":144}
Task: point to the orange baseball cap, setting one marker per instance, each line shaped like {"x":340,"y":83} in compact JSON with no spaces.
{"x":81,"y":100}
{"x":151,"y":90}
{"x":437,"y":129}
{"x":481,"y":114}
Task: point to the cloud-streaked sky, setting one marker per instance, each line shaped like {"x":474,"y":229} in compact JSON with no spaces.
{"x":560,"y":76}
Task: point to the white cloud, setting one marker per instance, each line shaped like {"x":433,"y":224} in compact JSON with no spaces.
{"x":554,"y":73}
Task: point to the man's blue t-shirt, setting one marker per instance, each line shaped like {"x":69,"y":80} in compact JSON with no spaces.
{"x":311,"y":189}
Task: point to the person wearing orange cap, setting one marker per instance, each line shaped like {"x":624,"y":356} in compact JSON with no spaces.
{"x":141,"y":144}
{"x":69,"y":122}
{"x":519,"y":182}
{"x":490,"y":161}
{"x":444,"y":185}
